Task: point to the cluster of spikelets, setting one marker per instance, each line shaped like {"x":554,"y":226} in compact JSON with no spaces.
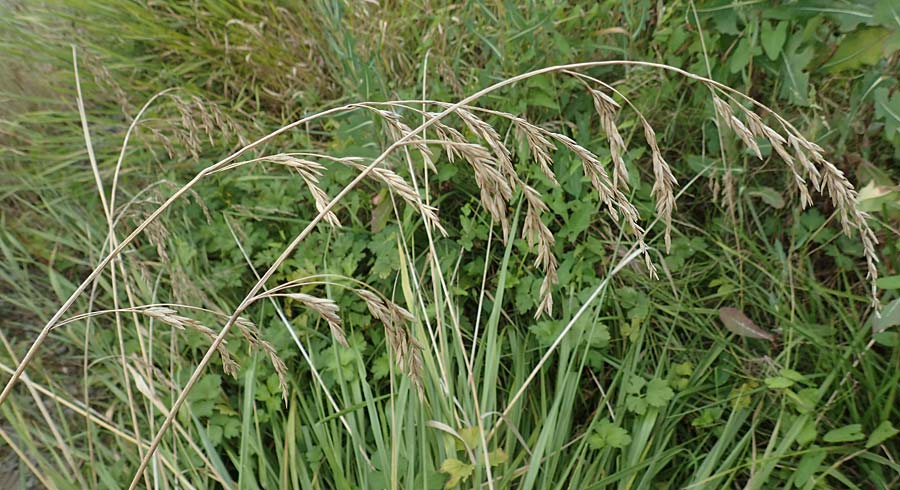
{"x":477,"y":143}
{"x":488,"y":155}
{"x":464,"y":134}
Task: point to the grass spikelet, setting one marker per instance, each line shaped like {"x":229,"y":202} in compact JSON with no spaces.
{"x":539,"y":238}
{"x":663,"y":185}
{"x":399,"y":186}
{"x":172,"y":318}
{"x":327,"y":309}
{"x":406,"y":350}
{"x":607,"y":108}
{"x":541,"y":147}
{"x":495,"y":189}
{"x":490,"y":136}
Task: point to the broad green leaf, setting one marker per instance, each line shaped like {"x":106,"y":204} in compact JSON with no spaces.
{"x":792,"y":375}
{"x":795,"y":80}
{"x":470,"y":436}
{"x":887,"y":339}
{"x":883,"y":432}
{"x":635,"y":384}
{"x":889,"y":282}
{"x":873,"y":197}
{"x":890,"y":317}
{"x":887,"y":13}
{"x":848,"y":14}
{"x":808,"y":466}
{"x":457,"y":470}
{"x":742,"y":55}
{"x":808,"y":434}
{"x":847,"y":433}
{"x":773,"y":38}
{"x":684,"y":369}
{"x":737,"y":323}
{"x":779,"y":383}
{"x":860,"y":47}
{"x":769,"y":196}
{"x":887,"y":109}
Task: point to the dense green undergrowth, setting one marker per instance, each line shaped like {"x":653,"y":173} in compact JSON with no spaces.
{"x":649,"y":389}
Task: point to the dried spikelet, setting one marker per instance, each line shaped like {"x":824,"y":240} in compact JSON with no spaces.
{"x":801,"y":147}
{"x":279,"y":366}
{"x":723,"y":110}
{"x":746,"y":136}
{"x":310,"y":172}
{"x":401,"y":343}
{"x":399,"y":186}
{"x":490,"y":136}
{"x":727,"y":117}
{"x":607,"y":108}
{"x":251,"y":333}
{"x":101,"y":74}
{"x":540,"y":146}
{"x":777,"y":141}
{"x":663,"y":185}
{"x":450,"y":134}
{"x":327,"y":309}
{"x":172,"y":318}
{"x":594,"y":170}
{"x":539,"y":238}
{"x":495,"y":189}
{"x":846,"y":200}
{"x":617,"y":203}
{"x":398,"y":130}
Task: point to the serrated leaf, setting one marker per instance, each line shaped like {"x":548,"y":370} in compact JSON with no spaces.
{"x":457,"y":470}
{"x":737,"y":323}
{"x":847,"y":433}
{"x":636,"y":404}
{"x":883,"y":432}
{"x":609,"y":434}
{"x":635,"y":384}
{"x":658,"y":392}
{"x":470,"y":436}
{"x":859,"y":48}
{"x":773,"y":38}
{"x":497,"y":457}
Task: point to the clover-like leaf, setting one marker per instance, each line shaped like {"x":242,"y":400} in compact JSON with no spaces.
{"x":457,"y":470}
{"x":658,"y":392}
{"x":636,"y":404}
{"x":609,"y":434}
{"x":497,"y":457}
{"x":635,"y":384}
